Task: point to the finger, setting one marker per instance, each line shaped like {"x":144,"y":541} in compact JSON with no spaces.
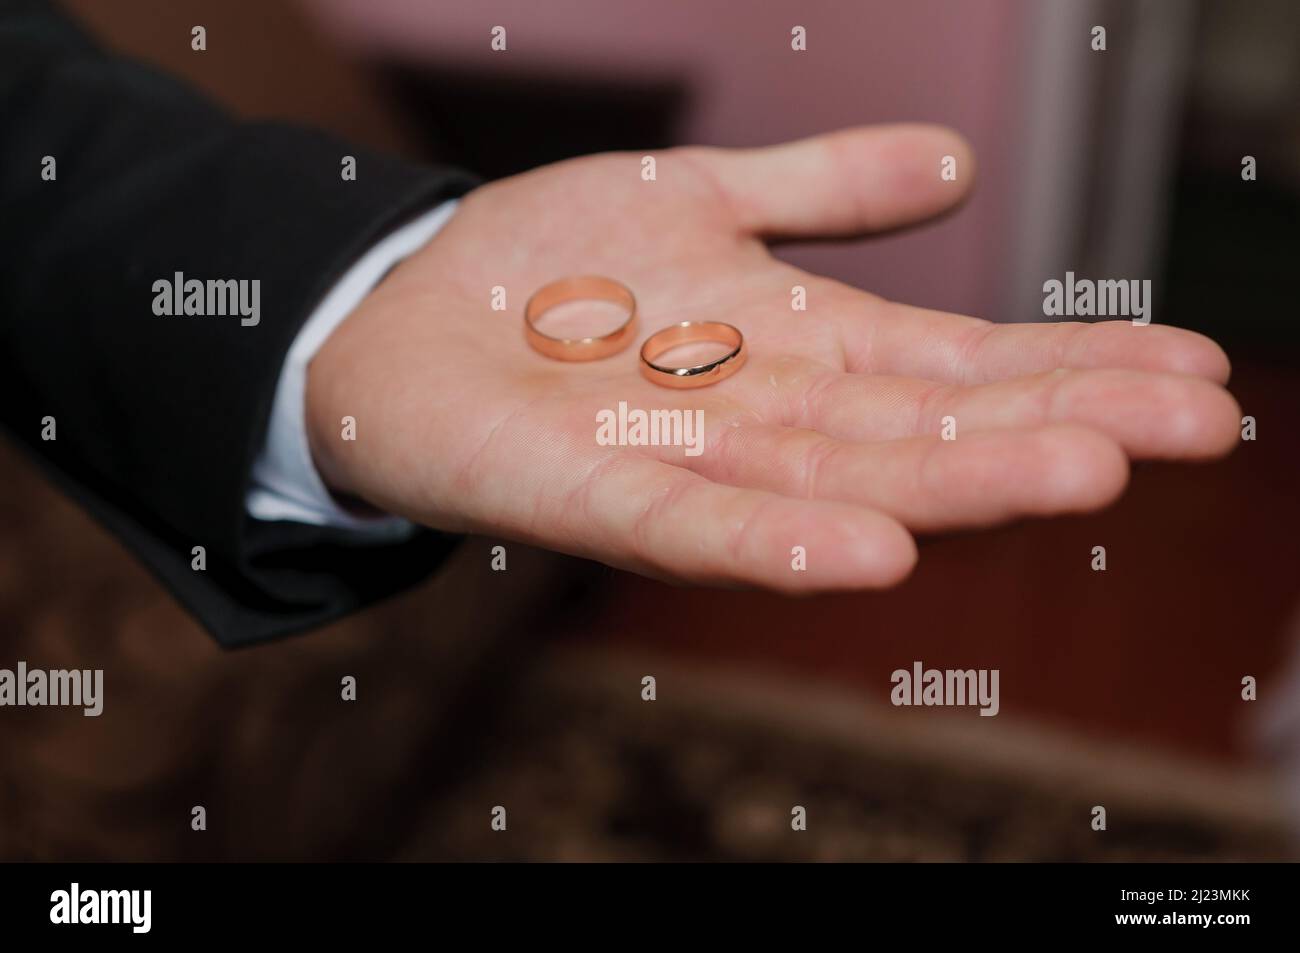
{"x":844,"y":183}
{"x":1152,"y":416}
{"x":665,"y":521}
{"x":927,"y":483}
{"x":890,"y":338}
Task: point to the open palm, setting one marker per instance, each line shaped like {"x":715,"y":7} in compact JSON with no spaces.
{"x":828,"y":439}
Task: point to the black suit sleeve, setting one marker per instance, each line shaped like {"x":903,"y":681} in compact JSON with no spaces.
{"x":157,"y":419}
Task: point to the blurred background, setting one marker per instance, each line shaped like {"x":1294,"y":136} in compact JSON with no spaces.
{"x":523,"y":689}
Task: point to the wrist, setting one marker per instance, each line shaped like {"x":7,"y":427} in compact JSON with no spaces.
{"x":325,"y":427}
{"x":332,"y":365}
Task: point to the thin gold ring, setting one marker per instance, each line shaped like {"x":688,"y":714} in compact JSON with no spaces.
{"x":693,"y":332}
{"x":580,"y":288}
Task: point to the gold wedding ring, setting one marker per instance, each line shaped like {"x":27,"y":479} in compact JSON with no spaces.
{"x":693,"y":332}
{"x":581,"y":288}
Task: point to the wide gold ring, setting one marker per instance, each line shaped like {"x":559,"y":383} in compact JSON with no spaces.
{"x":581,"y":288}
{"x":693,"y":332}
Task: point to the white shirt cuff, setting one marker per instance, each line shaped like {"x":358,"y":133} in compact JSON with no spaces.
{"x":285,"y":483}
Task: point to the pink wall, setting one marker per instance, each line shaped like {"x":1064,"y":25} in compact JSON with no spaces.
{"x":952,"y":61}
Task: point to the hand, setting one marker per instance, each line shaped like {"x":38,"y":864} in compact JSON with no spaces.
{"x":829,"y":438}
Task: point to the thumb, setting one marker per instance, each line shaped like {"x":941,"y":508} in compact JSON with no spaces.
{"x":851,"y":182}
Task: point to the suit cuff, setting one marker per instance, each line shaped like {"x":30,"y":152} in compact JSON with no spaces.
{"x":285,"y":482}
